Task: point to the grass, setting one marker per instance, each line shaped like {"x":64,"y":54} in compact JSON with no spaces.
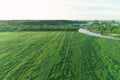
{"x":58,"y":56}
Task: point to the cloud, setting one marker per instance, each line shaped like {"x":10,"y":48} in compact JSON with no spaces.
{"x":59,"y":9}
{"x":94,"y":9}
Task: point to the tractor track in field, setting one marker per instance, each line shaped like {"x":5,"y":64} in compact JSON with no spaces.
{"x":25,"y":60}
{"x":62,"y":56}
{"x":63,"y":69}
{"x":52,"y":41}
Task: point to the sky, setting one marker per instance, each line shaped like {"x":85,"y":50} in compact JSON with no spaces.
{"x":60,"y":9}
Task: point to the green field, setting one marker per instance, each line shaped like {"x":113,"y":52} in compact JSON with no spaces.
{"x":58,"y":56}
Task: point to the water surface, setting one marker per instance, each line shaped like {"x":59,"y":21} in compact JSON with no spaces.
{"x":85,"y":31}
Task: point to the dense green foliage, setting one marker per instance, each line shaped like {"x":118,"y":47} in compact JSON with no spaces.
{"x":40,"y":25}
{"x":40,"y":22}
{"x":105,"y":27}
{"x":58,"y":56}
{"x":39,"y":28}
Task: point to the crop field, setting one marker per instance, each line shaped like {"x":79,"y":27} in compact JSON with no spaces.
{"x":58,"y":56}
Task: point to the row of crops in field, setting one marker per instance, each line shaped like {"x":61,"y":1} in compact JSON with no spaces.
{"x":58,"y":56}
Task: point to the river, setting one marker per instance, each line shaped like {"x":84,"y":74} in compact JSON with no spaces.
{"x":85,"y":31}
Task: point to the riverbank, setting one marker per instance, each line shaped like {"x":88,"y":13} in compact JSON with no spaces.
{"x":111,"y":34}
{"x":88,"y":32}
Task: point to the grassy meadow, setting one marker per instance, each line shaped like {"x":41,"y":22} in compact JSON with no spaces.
{"x":52,"y":55}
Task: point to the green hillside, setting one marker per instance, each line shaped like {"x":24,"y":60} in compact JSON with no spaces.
{"x":58,"y":56}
